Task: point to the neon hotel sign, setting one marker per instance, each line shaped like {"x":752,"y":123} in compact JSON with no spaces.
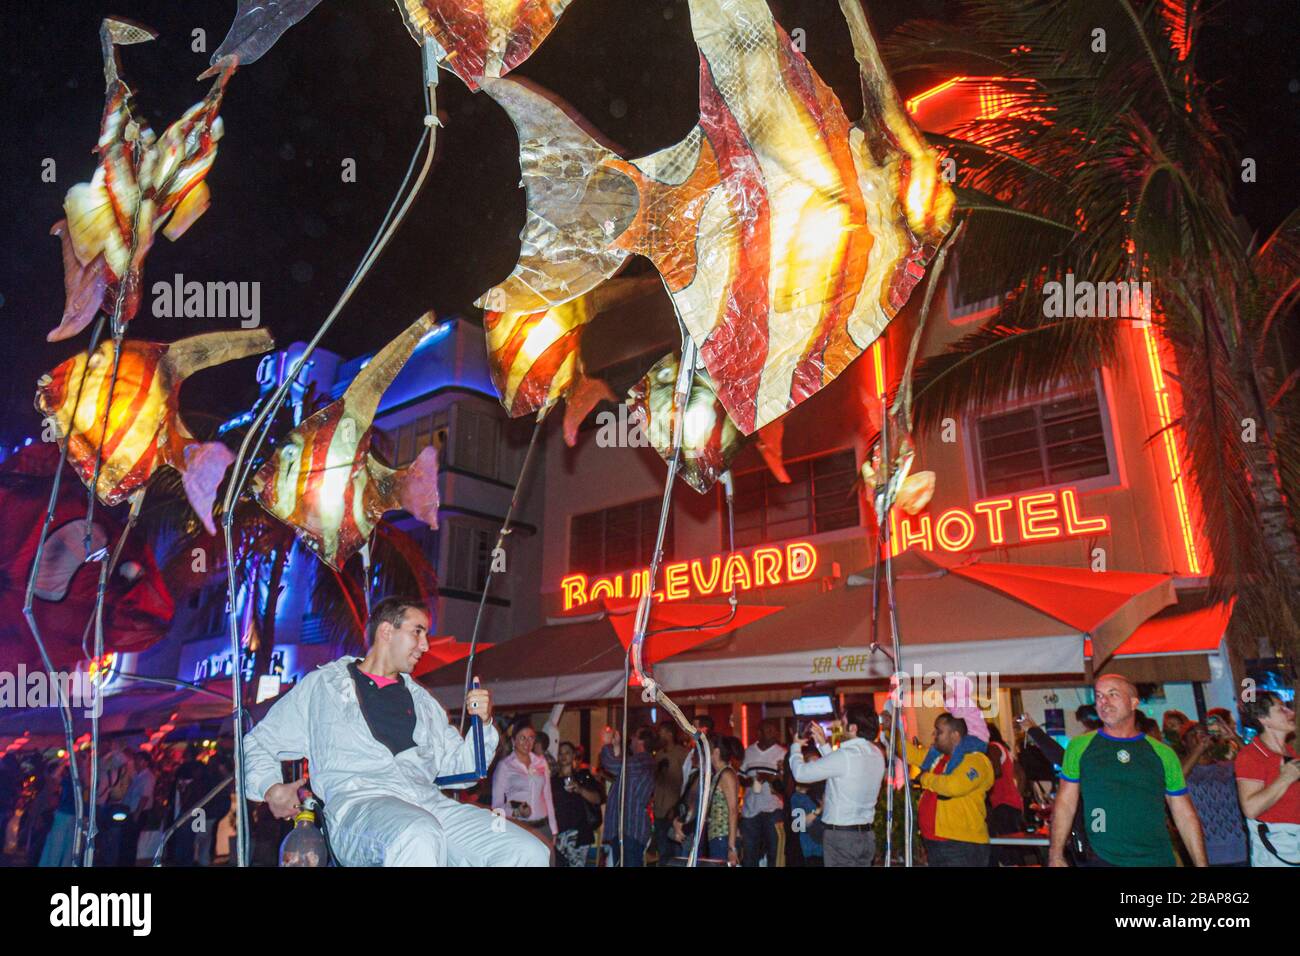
{"x":1041,"y":516}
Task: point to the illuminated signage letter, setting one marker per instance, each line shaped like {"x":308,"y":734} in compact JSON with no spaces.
{"x":992,"y":511}
{"x":709,"y":585}
{"x":1037,"y":512}
{"x":907,"y":537}
{"x":800,"y":561}
{"x":606,"y":588}
{"x":1076,"y":525}
{"x":676,"y":581}
{"x":574,"y":587}
{"x":946,"y":520}
{"x":767,"y":566}
{"x":735,"y":574}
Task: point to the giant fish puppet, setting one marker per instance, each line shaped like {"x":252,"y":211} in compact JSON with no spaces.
{"x":142,"y":184}
{"x":787,"y":237}
{"x":132,"y":426}
{"x":326,"y":483}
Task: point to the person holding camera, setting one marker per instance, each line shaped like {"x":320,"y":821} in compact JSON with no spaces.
{"x":853,"y":772}
{"x":1267,"y":775}
{"x":578,"y":796}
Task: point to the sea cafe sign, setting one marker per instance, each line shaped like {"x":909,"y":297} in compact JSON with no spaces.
{"x":761,"y":568}
{"x":1041,"y":516}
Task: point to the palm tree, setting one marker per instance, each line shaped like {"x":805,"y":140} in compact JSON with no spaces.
{"x":1114,"y":166}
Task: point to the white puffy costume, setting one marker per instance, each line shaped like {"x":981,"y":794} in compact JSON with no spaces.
{"x":381,"y":809}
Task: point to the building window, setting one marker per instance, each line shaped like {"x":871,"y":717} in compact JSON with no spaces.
{"x":1058,"y":442}
{"x":617,"y":539}
{"x":820,"y":497}
{"x":405,"y":442}
{"x":469,"y":556}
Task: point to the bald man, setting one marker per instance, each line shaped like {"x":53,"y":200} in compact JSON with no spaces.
{"x":1124,"y":780}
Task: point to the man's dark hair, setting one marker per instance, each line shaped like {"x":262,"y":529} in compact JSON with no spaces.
{"x":995,"y":735}
{"x":391,"y":610}
{"x":1254,"y":711}
{"x":865,"y":718}
{"x":647,"y":737}
{"x":957,"y":723}
{"x":544,"y":739}
{"x":706,"y":720}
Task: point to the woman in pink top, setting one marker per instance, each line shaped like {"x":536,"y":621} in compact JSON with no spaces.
{"x":521,"y":786}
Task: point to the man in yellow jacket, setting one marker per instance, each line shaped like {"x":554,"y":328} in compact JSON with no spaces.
{"x":951,"y":813}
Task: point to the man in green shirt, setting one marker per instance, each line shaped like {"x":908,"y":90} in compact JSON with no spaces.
{"x":1125,"y":779}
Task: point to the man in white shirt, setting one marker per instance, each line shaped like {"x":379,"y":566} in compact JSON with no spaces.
{"x":760,"y":822}
{"x":376,"y":743}
{"x":853,"y":773}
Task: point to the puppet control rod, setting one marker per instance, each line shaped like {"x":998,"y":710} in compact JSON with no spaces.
{"x":261,"y":425}
{"x":634,"y":657}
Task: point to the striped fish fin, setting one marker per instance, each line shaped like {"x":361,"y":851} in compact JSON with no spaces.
{"x":187,"y":356}
{"x":578,"y":204}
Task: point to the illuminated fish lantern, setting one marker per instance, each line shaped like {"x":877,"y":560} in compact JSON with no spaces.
{"x":142,"y":184}
{"x":475,"y":38}
{"x":787,"y":238}
{"x":132,"y":426}
{"x":326,"y":483}
{"x":710,"y":438}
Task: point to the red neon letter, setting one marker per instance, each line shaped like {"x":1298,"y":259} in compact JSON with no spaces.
{"x":1035,"y":513}
{"x":907,"y":537}
{"x":606,"y":587}
{"x":641,"y":581}
{"x":735,"y":574}
{"x":767,"y":566}
{"x":574,"y":587}
{"x":1076,"y":525}
{"x":676,"y":582}
{"x":957,"y":516}
{"x":800,"y":561}
{"x":992,"y":511}
{"x":703,"y":586}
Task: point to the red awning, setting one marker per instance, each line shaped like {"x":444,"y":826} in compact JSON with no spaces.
{"x":443,"y":651}
{"x":707,"y":622}
{"x":1107,"y":605}
{"x":1190,"y":632}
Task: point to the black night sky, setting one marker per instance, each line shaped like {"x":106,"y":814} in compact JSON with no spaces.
{"x":346,"y":83}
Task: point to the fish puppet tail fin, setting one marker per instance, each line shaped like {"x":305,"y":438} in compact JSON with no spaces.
{"x":193,"y":354}
{"x":413,"y":488}
{"x":578,"y":204}
{"x":417,"y":487}
{"x":202,"y":469}
{"x":203,"y":465}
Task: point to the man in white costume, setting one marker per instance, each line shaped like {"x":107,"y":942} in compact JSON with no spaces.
{"x":375,"y":740}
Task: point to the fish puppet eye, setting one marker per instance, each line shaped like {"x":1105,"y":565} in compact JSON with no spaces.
{"x":131,"y":571}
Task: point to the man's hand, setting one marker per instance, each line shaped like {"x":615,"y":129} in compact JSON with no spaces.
{"x":818,"y":734}
{"x":283,"y":799}
{"x":478,"y":703}
{"x":1290,"y":771}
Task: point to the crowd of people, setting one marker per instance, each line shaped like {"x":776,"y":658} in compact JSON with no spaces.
{"x":139,"y":792}
{"x":1125,"y":792}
